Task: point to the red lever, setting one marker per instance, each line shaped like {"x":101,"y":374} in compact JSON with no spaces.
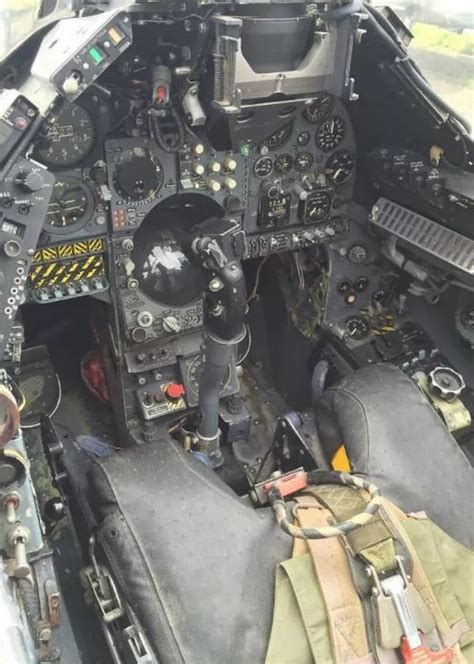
{"x":161,"y":94}
{"x":424,"y":655}
{"x":288,"y":484}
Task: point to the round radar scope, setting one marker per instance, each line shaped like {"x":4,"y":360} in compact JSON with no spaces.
{"x":164,"y":268}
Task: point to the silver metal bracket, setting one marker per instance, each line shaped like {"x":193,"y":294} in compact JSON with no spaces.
{"x":103,"y":588}
{"x":399,"y":610}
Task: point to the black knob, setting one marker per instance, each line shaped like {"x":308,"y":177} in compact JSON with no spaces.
{"x":54,"y":509}
{"x":437,"y":189}
{"x":234,"y":204}
{"x":137,"y":175}
{"x":272,"y":189}
{"x":99,"y":175}
{"x":29,"y":181}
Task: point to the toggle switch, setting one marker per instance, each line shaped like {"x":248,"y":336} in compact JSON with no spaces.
{"x":11,"y":502}
{"x":18,"y":538}
{"x":198,"y":169}
{"x":230,"y":183}
{"x":230,"y":164}
{"x":214,"y":185}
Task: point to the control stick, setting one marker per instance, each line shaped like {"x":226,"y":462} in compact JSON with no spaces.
{"x":219,"y":247}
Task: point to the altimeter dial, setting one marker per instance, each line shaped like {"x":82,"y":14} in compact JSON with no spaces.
{"x":340,"y":167}
{"x":330,"y":133}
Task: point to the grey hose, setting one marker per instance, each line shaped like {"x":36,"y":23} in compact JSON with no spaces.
{"x":216,"y":367}
{"x":318,"y":380}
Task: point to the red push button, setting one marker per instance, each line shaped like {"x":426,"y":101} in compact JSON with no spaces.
{"x":174,"y":391}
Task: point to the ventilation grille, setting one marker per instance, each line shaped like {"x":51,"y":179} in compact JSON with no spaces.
{"x":425,"y":234}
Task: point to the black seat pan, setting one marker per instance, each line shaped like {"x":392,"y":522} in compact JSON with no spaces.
{"x":197,"y":563}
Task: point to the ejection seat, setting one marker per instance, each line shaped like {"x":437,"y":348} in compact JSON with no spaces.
{"x":197,"y":564}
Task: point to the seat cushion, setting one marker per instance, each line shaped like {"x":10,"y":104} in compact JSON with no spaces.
{"x":196,"y":563}
{"x":393,"y":434}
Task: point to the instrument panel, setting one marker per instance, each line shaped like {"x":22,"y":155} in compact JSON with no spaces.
{"x":139,"y":177}
{"x":137,"y":161}
{"x":302,"y":178}
{"x":299,"y":178}
{"x":70,"y":143}
{"x":289,"y":188}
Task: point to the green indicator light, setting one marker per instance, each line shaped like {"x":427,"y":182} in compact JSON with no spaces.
{"x":96,"y":54}
{"x":245,"y":150}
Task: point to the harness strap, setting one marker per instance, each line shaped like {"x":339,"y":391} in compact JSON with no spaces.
{"x":343,"y":607}
{"x":439,"y":554}
{"x":421,"y":583}
{"x":375,"y":544}
{"x":299,"y":629}
{"x":374,"y":541}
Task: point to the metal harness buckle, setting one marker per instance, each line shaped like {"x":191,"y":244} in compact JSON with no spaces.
{"x":397,"y":589}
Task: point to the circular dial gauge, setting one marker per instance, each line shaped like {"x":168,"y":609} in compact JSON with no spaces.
{"x":303,"y":161}
{"x":67,"y":137}
{"x":330,"y":134}
{"x":361,"y":284}
{"x":194,"y":371}
{"x":318,"y":206}
{"x":283,"y":164}
{"x":138,"y":175}
{"x":357,"y":328}
{"x":340,"y":167}
{"x":467,"y":317}
{"x":263,"y":167}
{"x":279,"y":137}
{"x":303,"y":138}
{"x":357,"y":254}
{"x":70,"y":205}
{"x":319,"y":108}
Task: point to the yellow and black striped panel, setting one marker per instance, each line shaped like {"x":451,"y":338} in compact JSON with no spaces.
{"x":66,"y":271}
{"x":69,"y":250}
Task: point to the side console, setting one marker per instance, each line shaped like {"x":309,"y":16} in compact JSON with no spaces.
{"x":24,"y":196}
{"x":428,"y":186}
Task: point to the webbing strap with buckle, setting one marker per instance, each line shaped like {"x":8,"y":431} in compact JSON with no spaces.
{"x":374,"y":541}
{"x":343,"y":606}
{"x":420,"y":581}
{"x":401,"y":615}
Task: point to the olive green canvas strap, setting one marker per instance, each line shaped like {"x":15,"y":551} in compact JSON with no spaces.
{"x":422,"y":584}
{"x":318,"y":613}
{"x":449,"y":568}
{"x":300,"y":632}
{"x":343,"y":607}
{"x":374,"y":542}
